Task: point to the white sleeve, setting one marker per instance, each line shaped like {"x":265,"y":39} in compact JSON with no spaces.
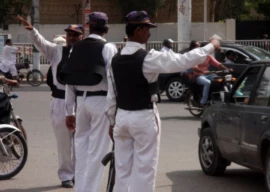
{"x":170,"y":62}
{"x":45,"y":47}
{"x":111,"y":97}
{"x":70,"y":98}
{"x":13,"y":49}
{"x":108,"y":52}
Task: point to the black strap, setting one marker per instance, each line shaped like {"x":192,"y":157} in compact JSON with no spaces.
{"x":58,"y":93}
{"x":92,"y":93}
{"x":149,"y":106}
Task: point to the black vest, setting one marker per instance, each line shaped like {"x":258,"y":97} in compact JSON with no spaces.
{"x":85,"y":65}
{"x":133,"y":90}
{"x":57,"y":93}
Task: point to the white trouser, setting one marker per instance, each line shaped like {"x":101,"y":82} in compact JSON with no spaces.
{"x":13,"y":70}
{"x":64,"y":140}
{"x":136,"y":136}
{"x":92,"y":142}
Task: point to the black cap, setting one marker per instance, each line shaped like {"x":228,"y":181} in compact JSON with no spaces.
{"x":75,"y":28}
{"x":139,"y":17}
{"x":98,"y":18}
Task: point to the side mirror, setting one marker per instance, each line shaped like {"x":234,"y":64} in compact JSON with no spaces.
{"x":248,"y":60}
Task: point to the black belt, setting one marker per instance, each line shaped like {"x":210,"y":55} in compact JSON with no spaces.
{"x":58,"y":93}
{"x":137,"y":108}
{"x":91,"y":93}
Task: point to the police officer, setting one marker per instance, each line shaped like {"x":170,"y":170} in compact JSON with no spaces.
{"x":57,"y":55}
{"x":86,"y":77}
{"x":133,"y":86}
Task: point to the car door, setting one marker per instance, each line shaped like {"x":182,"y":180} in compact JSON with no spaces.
{"x":230,"y":115}
{"x":256,"y":120}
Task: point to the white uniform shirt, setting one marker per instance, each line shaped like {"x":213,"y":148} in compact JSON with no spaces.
{"x":108,"y":51}
{"x":228,"y":61}
{"x":8,"y":57}
{"x":52,"y":51}
{"x":165,"y":49}
{"x":154,"y":63}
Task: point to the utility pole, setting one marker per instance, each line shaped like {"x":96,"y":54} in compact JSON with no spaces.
{"x":204,"y":19}
{"x":35,"y":21}
{"x":184,"y":22}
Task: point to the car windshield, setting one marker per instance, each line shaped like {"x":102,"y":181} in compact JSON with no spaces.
{"x":257,"y":52}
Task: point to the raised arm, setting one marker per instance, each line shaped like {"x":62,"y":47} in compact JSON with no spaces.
{"x":45,"y":47}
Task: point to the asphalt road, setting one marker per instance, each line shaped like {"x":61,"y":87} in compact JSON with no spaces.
{"x":178,"y":171}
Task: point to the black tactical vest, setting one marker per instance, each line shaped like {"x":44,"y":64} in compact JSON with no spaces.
{"x":133,"y":90}
{"x":85,"y":65}
{"x":57,"y":93}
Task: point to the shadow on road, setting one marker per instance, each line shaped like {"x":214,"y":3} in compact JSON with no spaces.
{"x":35,"y":189}
{"x":29,"y":88}
{"x":189,"y":118}
{"x":240,"y":180}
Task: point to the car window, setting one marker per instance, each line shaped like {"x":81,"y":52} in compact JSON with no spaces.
{"x":262,"y":93}
{"x":241,"y":58}
{"x":244,"y":89}
{"x":257,"y":52}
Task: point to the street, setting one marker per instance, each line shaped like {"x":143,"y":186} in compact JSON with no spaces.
{"x":179,"y":169}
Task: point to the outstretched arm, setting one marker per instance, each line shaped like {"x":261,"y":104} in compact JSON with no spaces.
{"x":45,"y":47}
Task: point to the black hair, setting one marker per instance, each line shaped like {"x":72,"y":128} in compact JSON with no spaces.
{"x":229,"y":53}
{"x":130,"y":28}
{"x":192,"y":44}
{"x":99,"y":28}
{"x":8,"y":41}
{"x":204,"y":43}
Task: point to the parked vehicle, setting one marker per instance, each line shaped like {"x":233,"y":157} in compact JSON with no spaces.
{"x":222,"y":83}
{"x":13,"y":146}
{"x":175,"y":86}
{"x":237,"y":128}
{"x":34,"y":77}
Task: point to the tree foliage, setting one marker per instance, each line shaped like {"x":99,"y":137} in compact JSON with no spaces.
{"x":151,"y":6}
{"x":11,"y":8}
{"x":223,"y":9}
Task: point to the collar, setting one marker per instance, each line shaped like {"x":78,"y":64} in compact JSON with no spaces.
{"x":135,"y":44}
{"x":95,"y":36}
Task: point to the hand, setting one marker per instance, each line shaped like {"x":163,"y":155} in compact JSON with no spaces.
{"x":216,"y":43}
{"x":111,"y":132}
{"x":26,"y":25}
{"x":231,"y":70}
{"x":12,"y":82}
{"x":70,"y":123}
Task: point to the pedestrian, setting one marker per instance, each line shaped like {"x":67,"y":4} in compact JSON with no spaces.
{"x":8,"y":64}
{"x":266,"y":42}
{"x":58,"y":55}
{"x":167,"y":45}
{"x":87,"y":85}
{"x":132,"y":88}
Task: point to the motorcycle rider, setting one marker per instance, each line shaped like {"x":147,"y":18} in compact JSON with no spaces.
{"x":8,"y":64}
{"x":58,"y":55}
{"x":167,"y":45}
{"x":203,"y":76}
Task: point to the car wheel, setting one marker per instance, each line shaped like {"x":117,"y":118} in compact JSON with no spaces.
{"x":212,"y":163}
{"x":175,"y":89}
{"x":267,"y":170}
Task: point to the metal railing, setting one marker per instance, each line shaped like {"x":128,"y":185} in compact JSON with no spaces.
{"x":26,"y":49}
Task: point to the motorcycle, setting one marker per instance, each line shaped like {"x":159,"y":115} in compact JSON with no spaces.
{"x":13,"y":145}
{"x":222,"y":83}
{"x":34,"y":77}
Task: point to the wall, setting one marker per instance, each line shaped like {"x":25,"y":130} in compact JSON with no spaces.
{"x":117,"y":31}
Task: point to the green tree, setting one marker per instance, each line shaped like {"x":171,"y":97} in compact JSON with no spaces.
{"x":9,"y":9}
{"x":151,"y":6}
